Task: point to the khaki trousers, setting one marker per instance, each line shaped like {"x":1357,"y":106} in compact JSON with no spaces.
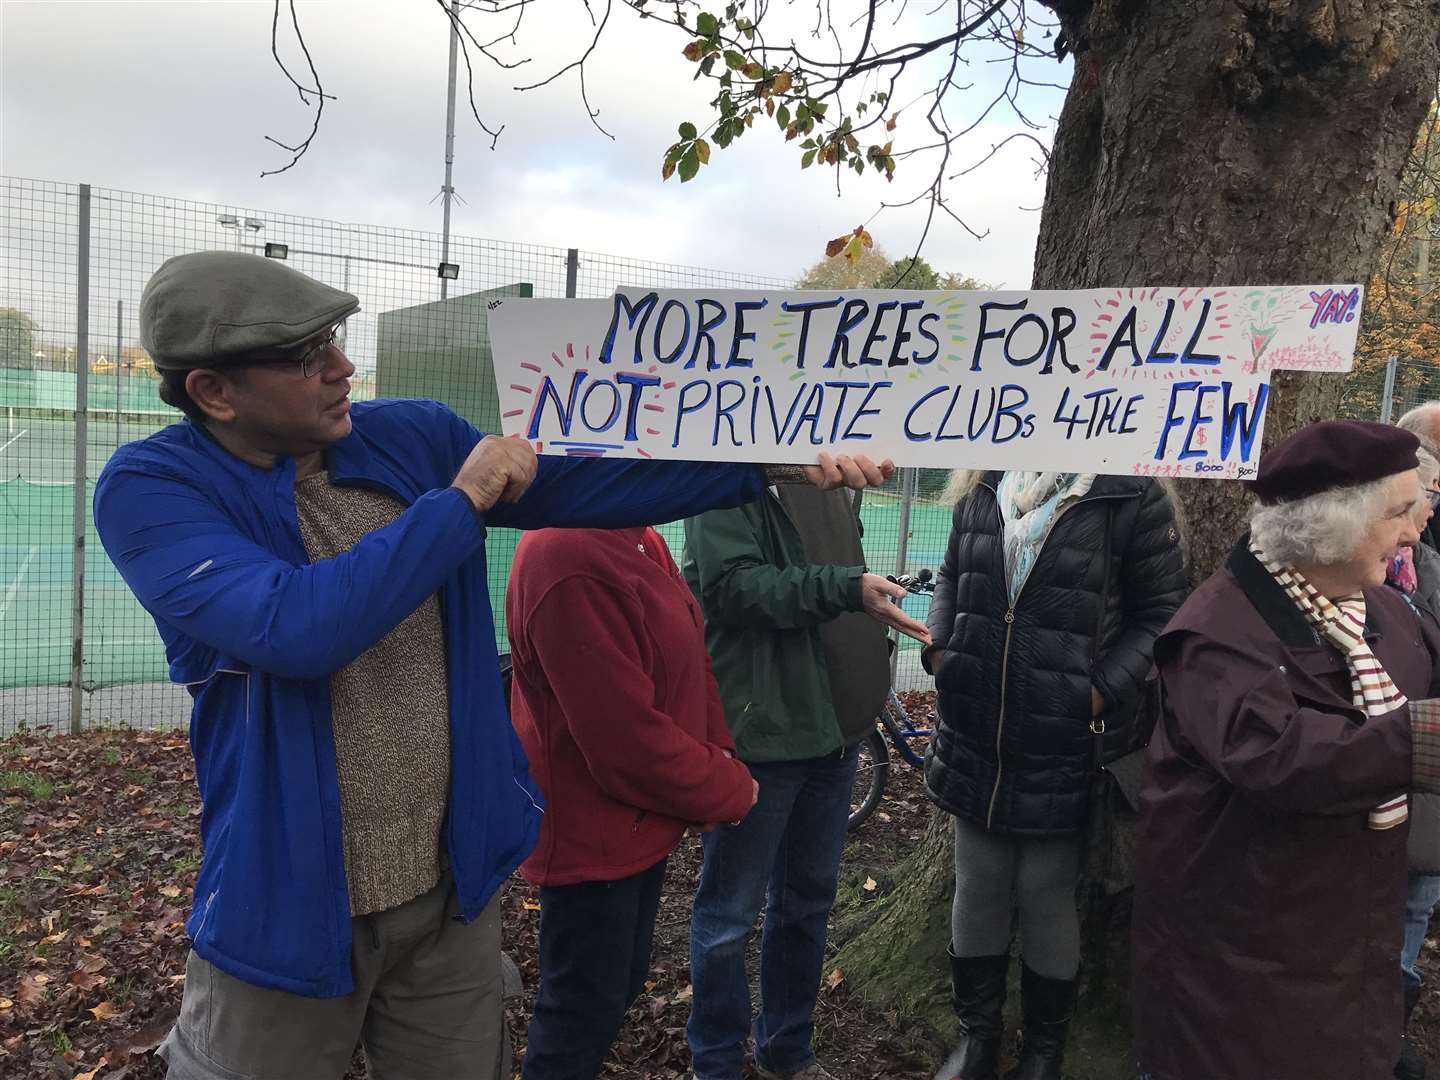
{"x":426,"y":1006}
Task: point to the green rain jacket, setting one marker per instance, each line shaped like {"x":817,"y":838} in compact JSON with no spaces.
{"x":764,"y":604}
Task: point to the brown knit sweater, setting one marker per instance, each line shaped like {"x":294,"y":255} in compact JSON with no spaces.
{"x":389,"y":709}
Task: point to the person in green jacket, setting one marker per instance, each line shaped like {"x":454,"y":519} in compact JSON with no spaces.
{"x":796,"y":629}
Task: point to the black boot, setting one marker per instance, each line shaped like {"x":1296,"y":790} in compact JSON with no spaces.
{"x":977,"y":988}
{"x":1411,"y":1065}
{"x":1047,"y":1006}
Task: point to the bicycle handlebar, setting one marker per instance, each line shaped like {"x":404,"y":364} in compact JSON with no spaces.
{"x":918,"y":583}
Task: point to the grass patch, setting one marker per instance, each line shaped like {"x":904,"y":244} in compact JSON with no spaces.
{"x":26,"y":783}
{"x":185,"y":865}
{"x":9,"y":925}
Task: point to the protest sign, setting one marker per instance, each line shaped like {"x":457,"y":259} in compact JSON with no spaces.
{"x":1146,"y":381}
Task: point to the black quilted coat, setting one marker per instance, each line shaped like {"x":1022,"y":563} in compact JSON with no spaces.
{"x":1014,"y":749}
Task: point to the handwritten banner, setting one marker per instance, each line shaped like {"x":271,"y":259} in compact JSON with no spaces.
{"x":1149,"y":381}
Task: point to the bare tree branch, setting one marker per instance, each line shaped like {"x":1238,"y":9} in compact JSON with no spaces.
{"x":458,"y":26}
{"x":832,"y":92}
{"x":995,"y":149}
{"x":297,"y":151}
{"x":579,"y":64}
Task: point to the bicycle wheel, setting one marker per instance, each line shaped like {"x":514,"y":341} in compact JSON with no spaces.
{"x":871,"y":772}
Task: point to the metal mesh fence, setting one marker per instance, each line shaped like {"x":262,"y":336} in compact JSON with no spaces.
{"x":75,"y":384}
{"x":1385,"y":390}
{"x":1411,"y":383}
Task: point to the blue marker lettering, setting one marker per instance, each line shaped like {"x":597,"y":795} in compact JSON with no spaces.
{"x":636,"y":317}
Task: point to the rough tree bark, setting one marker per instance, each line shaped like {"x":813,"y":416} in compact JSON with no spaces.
{"x":1246,"y":143}
{"x":1201,"y":142}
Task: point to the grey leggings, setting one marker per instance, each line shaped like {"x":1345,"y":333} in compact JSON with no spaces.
{"x":996,"y":874}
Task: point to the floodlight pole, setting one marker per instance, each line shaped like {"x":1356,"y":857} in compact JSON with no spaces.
{"x":447,"y":192}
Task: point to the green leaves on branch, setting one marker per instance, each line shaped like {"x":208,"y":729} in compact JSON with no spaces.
{"x":841,"y":147}
{"x":879,"y":159}
{"x":723,"y":49}
{"x":687,"y":155}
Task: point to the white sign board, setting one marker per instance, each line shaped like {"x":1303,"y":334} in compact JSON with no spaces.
{"x":1146,"y":381}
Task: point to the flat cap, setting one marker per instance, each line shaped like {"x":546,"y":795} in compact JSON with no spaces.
{"x":208,"y":307}
{"x":1331,"y":454}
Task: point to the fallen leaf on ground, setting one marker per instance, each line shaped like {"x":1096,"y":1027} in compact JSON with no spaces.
{"x":143,"y":1039}
{"x":83,"y":980}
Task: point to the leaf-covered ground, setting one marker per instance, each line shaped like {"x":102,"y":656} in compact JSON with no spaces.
{"x":98,"y":850}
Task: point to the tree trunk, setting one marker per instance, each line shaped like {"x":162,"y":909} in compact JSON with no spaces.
{"x":899,"y":957}
{"x":1236,"y":143}
{"x":1203,"y":142}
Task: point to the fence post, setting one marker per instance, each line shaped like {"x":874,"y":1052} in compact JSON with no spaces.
{"x":1387,"y":397}
{"x":119,"y":346}
{"x":572,"y":272}
{"x":908,"y":479}
{"x":82,"y":405}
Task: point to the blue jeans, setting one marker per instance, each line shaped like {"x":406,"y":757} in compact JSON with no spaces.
{"x":788,"y":847}
{"x":1420,"y":901}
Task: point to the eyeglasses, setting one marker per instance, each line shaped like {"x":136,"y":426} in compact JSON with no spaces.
{"x":312,"y":358}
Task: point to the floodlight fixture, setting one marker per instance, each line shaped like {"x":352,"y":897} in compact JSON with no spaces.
{"x":448,"y":271}
{"x":277,"y":251}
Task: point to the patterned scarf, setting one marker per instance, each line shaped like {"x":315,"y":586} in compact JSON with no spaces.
{"x":1028,"y":505}
{"x":1401,"y":572}
{"x":1342,"y":623}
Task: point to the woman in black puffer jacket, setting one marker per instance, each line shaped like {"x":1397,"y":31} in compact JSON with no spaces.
{"x":1053,"y":590}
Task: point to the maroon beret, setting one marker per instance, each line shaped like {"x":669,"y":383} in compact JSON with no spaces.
{"x":1331,"y":454}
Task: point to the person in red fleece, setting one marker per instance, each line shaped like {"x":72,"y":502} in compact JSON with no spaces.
{"x":616,"y":705}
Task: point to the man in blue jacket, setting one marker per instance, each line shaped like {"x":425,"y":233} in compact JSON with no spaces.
{"x":317,"y":572}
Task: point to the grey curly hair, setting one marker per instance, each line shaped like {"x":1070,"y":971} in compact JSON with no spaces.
{"x":1322,"y":529}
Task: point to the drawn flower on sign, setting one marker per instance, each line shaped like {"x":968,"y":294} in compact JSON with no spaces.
{"x":1265,"y":312}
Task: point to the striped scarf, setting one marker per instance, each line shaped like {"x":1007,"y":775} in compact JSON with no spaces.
{"x":1342,"y":624}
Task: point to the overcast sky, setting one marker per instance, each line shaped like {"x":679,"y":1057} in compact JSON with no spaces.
{"x":175,"y":97}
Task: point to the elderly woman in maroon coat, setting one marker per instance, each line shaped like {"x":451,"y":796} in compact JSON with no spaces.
{"x":1271,"y":879}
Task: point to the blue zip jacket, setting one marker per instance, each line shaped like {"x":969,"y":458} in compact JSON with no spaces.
{"x":211,"y":546}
